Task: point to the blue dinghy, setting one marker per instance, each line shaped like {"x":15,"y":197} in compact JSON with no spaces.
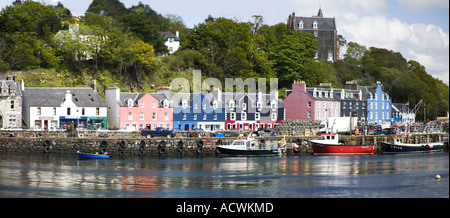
{"x":92,"y":156}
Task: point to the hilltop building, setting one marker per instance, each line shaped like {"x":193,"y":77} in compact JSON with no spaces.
{"x":324,"y":29}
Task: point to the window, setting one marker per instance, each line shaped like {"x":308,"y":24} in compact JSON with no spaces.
{"x":309,"y":104}
{"x":38,"y":111}
{"x":184,"y":103}
{"x":300,"y":25}
{"x":215,"y":104}
{"x":83,"y":110}
{"x":195,"y":117}
{"x":130,"y":115}
{"x":244,"y":106}
{"x":130,"y":102}
{"x":243,"y":116}
{"x":54,"y":111}
{"x":274,"y":116}
{"x":315,"y":26}
{"x":68,"y":111}
{"x":204,"y":106}
{"x":166,"y":103}
{"x":233,"y":116}
{"x":153,"y":104}
{"x":97,"y":111}
{"x":273,"y":105}
{"x":309,"y":114}
{"x":316,"y":33}
{"x":168,"y":126}
{"x":257,"y":116}
{"x":231,"y":104}
{"x":215,"y":116}
{"x":154,"y":116}
{"x":204,"y":116}
{"x":142,"y":104}
{"x":12,"y":104}
{"x":166,"y":116}
{"x":318,"y":104}
{"x":141,"y":116}
{"x":184,"y":116}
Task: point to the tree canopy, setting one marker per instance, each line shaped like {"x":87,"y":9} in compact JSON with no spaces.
{"x":118,"y":46}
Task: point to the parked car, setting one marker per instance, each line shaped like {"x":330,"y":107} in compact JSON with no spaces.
{"x":159,"y":131}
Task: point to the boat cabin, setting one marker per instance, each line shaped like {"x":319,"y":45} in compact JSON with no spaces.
{"x":400,"y":139}
{"x":244,"y":144}
{"x":332,"y":138}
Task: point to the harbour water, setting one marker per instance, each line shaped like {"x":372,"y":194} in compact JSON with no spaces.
{"x":38,"y":175}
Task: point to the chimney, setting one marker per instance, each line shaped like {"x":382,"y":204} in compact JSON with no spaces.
{"x":68,"y":96}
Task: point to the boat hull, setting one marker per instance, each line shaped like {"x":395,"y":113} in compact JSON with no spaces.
{"x":331,"y":149}
{"x":388,"y":147}
{"x":92,"y":156}
{"x":241,"y":152}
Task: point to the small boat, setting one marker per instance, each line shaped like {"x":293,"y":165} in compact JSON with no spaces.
{"x":400,"y":145}
{"x":92,"y":156}
{"x":330,"y":145}
{"x":249,"y":147}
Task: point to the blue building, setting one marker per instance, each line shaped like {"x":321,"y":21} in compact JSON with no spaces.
{"x":198,"y":111}
{"x":379,"y":105}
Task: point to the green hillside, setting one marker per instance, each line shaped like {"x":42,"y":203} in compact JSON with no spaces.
{"x":123,"y":44}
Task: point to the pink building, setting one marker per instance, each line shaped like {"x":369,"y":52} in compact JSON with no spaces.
{"x":299,"y":104}
{"x":318,"y":103}
{"x":139,"y":109}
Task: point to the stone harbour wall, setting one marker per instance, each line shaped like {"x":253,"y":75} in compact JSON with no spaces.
{"x":169,"y":147}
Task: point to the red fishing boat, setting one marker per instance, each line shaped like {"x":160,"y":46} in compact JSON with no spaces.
{"x":331,"y":145}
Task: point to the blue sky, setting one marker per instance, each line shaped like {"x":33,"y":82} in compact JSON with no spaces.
{"x":418,"y":29}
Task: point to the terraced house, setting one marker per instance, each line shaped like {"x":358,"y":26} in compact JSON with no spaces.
{"x":139,"y":109}
{"x":10,"y":104}
{"x":50,"y":108}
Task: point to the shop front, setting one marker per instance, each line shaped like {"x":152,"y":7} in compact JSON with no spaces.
{"x":76,"y":121}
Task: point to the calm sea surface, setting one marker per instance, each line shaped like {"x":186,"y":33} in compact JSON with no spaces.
{"x":39,"y":175}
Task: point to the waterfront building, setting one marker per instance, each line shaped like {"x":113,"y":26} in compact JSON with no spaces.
{"x":324,"y":29}
{"x":202,"y":110}
{"x":353,"y":102}
{"x":251,"y":111}
{"x":317,"y":103}
{"x":50,"y":108}
{"x":139,"y":109}
{"x":379,"y":105}
{"x":10,"y":104}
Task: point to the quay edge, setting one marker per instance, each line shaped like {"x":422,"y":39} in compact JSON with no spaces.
{"x":167,"y":147}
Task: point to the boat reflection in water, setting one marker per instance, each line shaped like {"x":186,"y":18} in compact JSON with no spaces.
{"x":58,"y":175}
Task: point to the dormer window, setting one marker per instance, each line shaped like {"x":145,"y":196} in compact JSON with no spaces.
{"x":300,"y":25}
{"x":315,"y":25}
{"x":184,"y":104}
{"x":231,"y":105}
{"x":166,"y":103}
{"x":130,"y":102}
{"x":215,"y":104}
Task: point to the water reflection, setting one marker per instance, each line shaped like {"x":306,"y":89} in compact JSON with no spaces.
{"x":37,"y":175}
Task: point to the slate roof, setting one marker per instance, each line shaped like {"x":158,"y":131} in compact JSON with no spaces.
{"x":323,"y":23}
{"x":53,"y":97}
{"x":6,"y":84}
{"x":170,"y":35}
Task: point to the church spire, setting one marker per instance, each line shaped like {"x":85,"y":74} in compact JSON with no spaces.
{"x":320,"y":14}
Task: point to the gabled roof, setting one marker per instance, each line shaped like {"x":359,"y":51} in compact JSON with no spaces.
{"x":53,"y":97}
{"x":170,"y":35}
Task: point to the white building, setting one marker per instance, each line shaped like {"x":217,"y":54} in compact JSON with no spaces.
{"x":59,"y":107}
{"x":172,"y":41}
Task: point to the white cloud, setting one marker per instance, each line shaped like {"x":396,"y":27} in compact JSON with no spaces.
{"x":366,"y":23}
{"x":423,"y":5}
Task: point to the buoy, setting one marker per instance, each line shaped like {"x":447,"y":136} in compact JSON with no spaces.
{"x":438,"y":177}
